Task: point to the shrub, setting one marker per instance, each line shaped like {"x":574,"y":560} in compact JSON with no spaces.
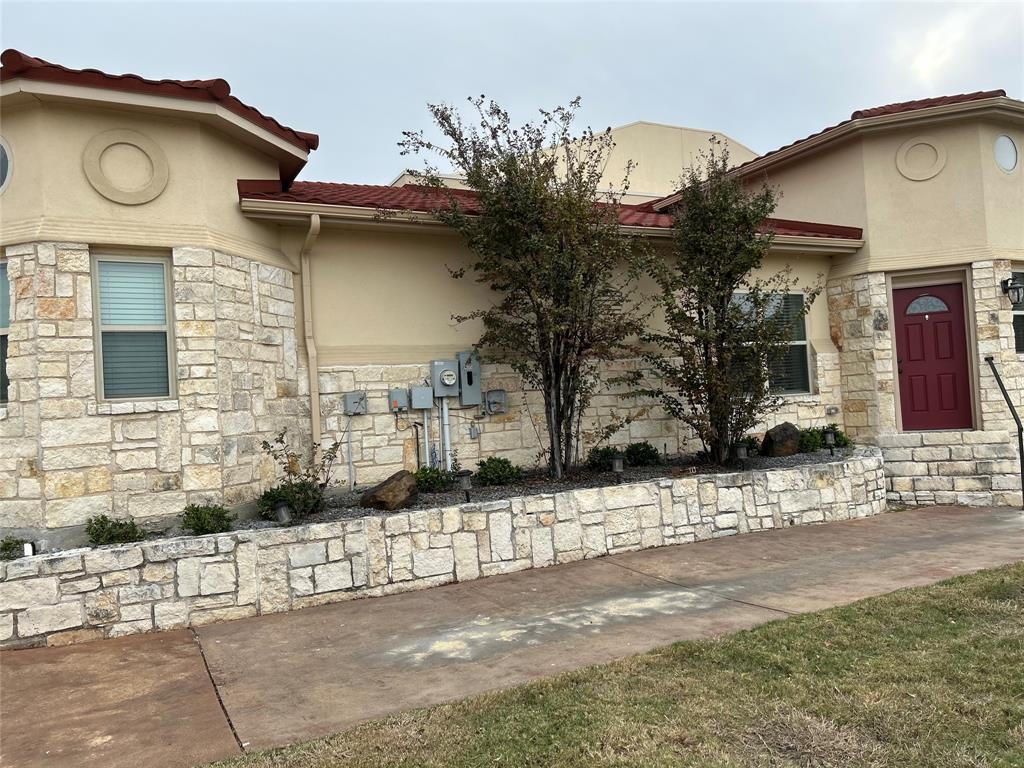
{"x":303,"y":497}
{"x":600,"y":459}
{"x":642,"y":454}
{"x":495,"y":470}
{"x":434,"y":480}
{"x":104,"y":530}
{"x":813,"y":439}
{"x":11,"y":548}
{"x":200,"y":519}
{"x":304,"y":482}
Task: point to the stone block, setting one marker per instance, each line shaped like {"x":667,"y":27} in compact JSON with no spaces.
{"x":104,"y":560}
{"x":433,"y":562}
{"x":627,"y":496}
{"x":217,"y":578}
{"x":332,"y":576}
{"x":51,"y":618}
{"x":27,"y":593}
{"x":500,"y":527}
{"x":467,"y":564}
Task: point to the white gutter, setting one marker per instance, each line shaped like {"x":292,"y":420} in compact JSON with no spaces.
{"x":307,"y":321}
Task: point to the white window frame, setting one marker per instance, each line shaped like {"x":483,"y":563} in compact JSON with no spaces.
{"x":5,"y":183}
{"x":167,"y":327}
{"x":5,"y":330}
{"x":805,"y":342}
{"x":1017,"y":270}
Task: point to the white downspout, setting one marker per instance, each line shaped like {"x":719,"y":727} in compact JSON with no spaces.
{"x":307,"y":321}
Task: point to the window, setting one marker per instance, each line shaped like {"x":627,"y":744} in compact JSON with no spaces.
{"x":134,"y":334}
{"x":5,"y":327}
{"x":790,"y":375}
{"x":6,"y":164}
{"x":1018,"y":319}
{"x":1006,"y":153}
{"x":926,"y":304}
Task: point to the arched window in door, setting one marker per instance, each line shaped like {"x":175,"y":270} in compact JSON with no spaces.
{"x":926,"y":304}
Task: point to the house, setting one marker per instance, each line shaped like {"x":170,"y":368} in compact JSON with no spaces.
{"x":171,"y":295}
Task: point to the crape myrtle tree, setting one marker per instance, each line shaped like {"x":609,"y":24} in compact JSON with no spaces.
{"x":726,"y":326}
{"x":545,"y":237}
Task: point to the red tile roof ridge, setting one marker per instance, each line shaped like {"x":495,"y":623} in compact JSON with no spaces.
{"x":17,"y":64}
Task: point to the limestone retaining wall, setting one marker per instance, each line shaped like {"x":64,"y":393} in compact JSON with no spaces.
{"x":74,"y":596}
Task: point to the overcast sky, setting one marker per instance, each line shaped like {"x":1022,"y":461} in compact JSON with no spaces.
{"x":360,"y":73}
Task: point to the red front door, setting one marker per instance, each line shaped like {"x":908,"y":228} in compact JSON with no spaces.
{"x":931,"y":357}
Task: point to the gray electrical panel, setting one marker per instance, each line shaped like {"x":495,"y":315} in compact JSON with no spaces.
{"x":422,"y":398}
{"x":398,"y":400}
{"x":444,"y":377}
{"x":353,"y":403}
{"x":469,"y":378}
{"x":496,"y":402}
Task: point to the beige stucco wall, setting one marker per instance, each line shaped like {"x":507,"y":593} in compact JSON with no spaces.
{"x":50,"y":197}
{"x":968,"y":211}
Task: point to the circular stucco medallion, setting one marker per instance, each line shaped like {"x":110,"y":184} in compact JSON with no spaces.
{"x":920,"y":158}
{"x":125,"y":166}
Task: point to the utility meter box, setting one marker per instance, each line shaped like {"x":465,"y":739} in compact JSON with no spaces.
{"x":496,"y":402}
{"x":444,"y":377}
{"x":353,"y":403}
{"x":422,"y":398}
{"x":398,"y":400}
{"x":469,"y":378}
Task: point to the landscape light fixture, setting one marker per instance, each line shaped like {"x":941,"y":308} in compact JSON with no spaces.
{"x":1014,"y":290}
{"x":466,"y":482}
{"x":830,"y":441}
{"x":742,"y":451}
{"x":282,"y":512}
{"x":618,"y":467}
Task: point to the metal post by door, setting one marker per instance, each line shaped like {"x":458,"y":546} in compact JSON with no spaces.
{"x":1016,"y":418}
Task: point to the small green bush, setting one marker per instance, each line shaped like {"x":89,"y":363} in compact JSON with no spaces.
{"x":642,"y":454}
{"x":495,"y":470}
{"x":813,"y":439}
{"x":304,"y":498}
{"x":600,"y":459}
{"x":434,"y":480}
{"x":201,"y":519}
{"x":104,"y":530}
{"x":11,"y":548}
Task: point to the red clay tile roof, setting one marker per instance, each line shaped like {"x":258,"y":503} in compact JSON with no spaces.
{"x":16,"y":64}
{"x":889,"y":109}
{"x":860,"y":114}
{"x":422,"y":199}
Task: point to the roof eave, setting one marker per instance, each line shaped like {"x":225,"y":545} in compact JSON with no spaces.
{"x":1001,"y":105}
{"x":291,"y":159}
{"x":283,"y":211}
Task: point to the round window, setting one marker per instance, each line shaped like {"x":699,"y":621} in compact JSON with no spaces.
{"x":1006,"y":153}
{"x":5,"y":164}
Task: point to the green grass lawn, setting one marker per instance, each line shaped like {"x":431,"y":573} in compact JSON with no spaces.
{"x":922,"y":677}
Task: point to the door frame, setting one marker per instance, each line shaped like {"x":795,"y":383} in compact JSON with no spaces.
{"x":919,"y":278}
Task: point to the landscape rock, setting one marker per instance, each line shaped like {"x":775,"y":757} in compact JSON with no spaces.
{"x":396,"y":492}
{"x":781,"y":440}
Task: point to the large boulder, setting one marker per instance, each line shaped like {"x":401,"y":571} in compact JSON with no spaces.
{"x":781,"y":440}
{"x":396,"y":492}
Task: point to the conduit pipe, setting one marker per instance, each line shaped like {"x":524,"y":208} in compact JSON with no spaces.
{"x":307,"y":322}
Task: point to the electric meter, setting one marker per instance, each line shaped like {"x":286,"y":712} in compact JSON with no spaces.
{"x":449,"y":377}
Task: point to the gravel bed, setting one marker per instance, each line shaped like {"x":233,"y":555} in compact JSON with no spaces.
{"x":345,"y":505}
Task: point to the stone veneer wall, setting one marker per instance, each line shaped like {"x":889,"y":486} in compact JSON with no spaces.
{"x":380,"y":446}
{"x":977,"y":467}
{"x":66,"y":455}
{"x":80,"y":595}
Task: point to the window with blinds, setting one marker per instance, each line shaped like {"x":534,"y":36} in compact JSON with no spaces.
{"x":1018,"y":319}
{"x":790,"y":374}
{"x":134,"y":338}
{"x":5,"y":328}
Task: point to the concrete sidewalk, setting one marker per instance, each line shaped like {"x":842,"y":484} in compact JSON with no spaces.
{"x":181,"y":698}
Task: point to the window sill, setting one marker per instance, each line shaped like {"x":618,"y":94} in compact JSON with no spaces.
{"x":3,"y":412}
{"x":120,"y":407}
